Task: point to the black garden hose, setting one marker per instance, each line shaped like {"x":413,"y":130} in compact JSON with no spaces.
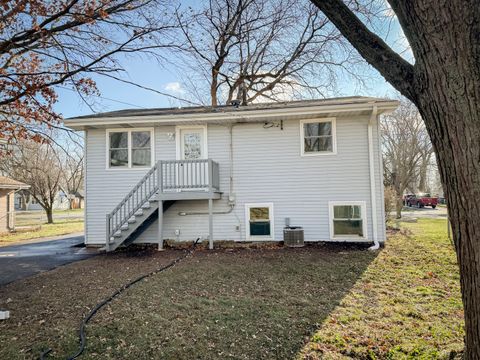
{"x":91,"y":314}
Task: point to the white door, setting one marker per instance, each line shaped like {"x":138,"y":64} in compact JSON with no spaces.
{"x":192,"y":175}
{"x":191,"y":144}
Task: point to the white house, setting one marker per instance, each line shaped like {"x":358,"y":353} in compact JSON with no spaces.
{"x":235,"y":173}
{"x":25,"y":201}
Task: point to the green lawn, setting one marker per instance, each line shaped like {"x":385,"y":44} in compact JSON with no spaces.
{"x":60,"y":227}
{"x":407,"y":304}
{"x":320,"y":302}
{"x":39,"y":217}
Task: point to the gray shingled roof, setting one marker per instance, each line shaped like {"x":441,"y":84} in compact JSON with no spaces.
{"x":209,"y":109}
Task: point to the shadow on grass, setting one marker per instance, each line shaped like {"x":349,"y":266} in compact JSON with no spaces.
{"x":241,"y":303}
{"x":232,"y":303}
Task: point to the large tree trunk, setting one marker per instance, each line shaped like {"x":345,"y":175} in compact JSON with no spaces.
{"x":446,"y":39}
{"x":444,"y":84}
{"x":458,"y":152}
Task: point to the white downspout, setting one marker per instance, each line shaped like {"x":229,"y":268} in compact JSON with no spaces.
{"x":371,"y":162}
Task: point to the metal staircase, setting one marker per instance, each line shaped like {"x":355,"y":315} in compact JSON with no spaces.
{"x":165,"y":183}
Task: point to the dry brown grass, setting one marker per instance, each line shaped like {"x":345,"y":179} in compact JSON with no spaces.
{"x":237,"y":303}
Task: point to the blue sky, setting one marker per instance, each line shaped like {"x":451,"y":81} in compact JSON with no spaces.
{"x":148,"y":72}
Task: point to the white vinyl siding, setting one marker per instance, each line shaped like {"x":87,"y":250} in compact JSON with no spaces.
{"x":267,"y":168}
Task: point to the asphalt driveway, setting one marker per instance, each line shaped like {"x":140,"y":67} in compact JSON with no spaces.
{"x":20,"y":261}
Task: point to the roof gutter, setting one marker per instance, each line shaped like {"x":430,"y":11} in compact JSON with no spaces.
{"x":373,"y":197}
{"x":227,"y":116}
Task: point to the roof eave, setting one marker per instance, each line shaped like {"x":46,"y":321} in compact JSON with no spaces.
{"x":15,"y":187}
{"x":383,"y":106}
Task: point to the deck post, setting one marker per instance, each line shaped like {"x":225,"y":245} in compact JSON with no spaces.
{"x":107,"y":244}
{"x":160,"y":225}
{"x":210,"y":224}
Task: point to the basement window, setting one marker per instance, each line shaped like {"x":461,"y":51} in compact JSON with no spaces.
{"x":317,"y":137}
{"x":259,"y":218}
{"x":129,"y":148}
{"x":347,"y":220}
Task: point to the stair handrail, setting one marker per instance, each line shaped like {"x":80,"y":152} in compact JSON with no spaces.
{"x":153,"y":177}
{"x":126,"y":208}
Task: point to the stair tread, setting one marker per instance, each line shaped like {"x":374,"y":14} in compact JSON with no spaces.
{"x":135,"y":222}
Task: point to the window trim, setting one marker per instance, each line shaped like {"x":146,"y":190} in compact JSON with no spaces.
{"x":270,"y":237}
{"x":363,"y":209}
{"x":333,"y":120}
{"x":129,"y":148}
{"x":178,"y":140}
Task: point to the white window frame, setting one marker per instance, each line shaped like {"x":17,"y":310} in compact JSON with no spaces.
{"x":247,"y":222}
{"x":334,"y":137}
{"x":178,"y":140}
{"x":363,"y":209}
{"x":129,"y":146}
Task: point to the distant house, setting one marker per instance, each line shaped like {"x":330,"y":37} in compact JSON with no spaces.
{"x":238,"y":173}
{"x":77,"y":200}
{"x":8,"y":187}
{"x":25,"y":201}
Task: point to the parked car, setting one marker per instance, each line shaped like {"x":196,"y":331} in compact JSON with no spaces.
{"x":406,"y":198}
{"x":421,"y":200}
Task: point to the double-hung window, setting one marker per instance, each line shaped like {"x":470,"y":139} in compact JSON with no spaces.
{"x":347,"y":219}
{"x":259,"y":218}
{"x":129,"y":148}
{"x":317,"y":136}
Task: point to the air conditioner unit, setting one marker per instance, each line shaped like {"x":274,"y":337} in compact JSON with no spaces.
{"x":293,"y":236}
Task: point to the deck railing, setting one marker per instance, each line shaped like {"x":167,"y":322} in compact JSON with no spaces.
{"x":187,"y":174}
{"x":164,"y":176}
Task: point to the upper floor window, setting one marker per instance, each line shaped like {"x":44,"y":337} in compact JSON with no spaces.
{"x":130,"y":148}
{"x":318,"y":136}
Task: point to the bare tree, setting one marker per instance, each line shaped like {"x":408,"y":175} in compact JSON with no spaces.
{"x":253,"y":50}
{"x":424,"y":168}
{"x":405,"y":145}
{"x":390,"y":201}
{"x":444,"y":84}
{"x":72,"y":159}
{"x":47,"y":43}
{"x":40,"y":166}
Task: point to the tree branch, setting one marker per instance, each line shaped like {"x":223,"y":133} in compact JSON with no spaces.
{"x":372,"y":48}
